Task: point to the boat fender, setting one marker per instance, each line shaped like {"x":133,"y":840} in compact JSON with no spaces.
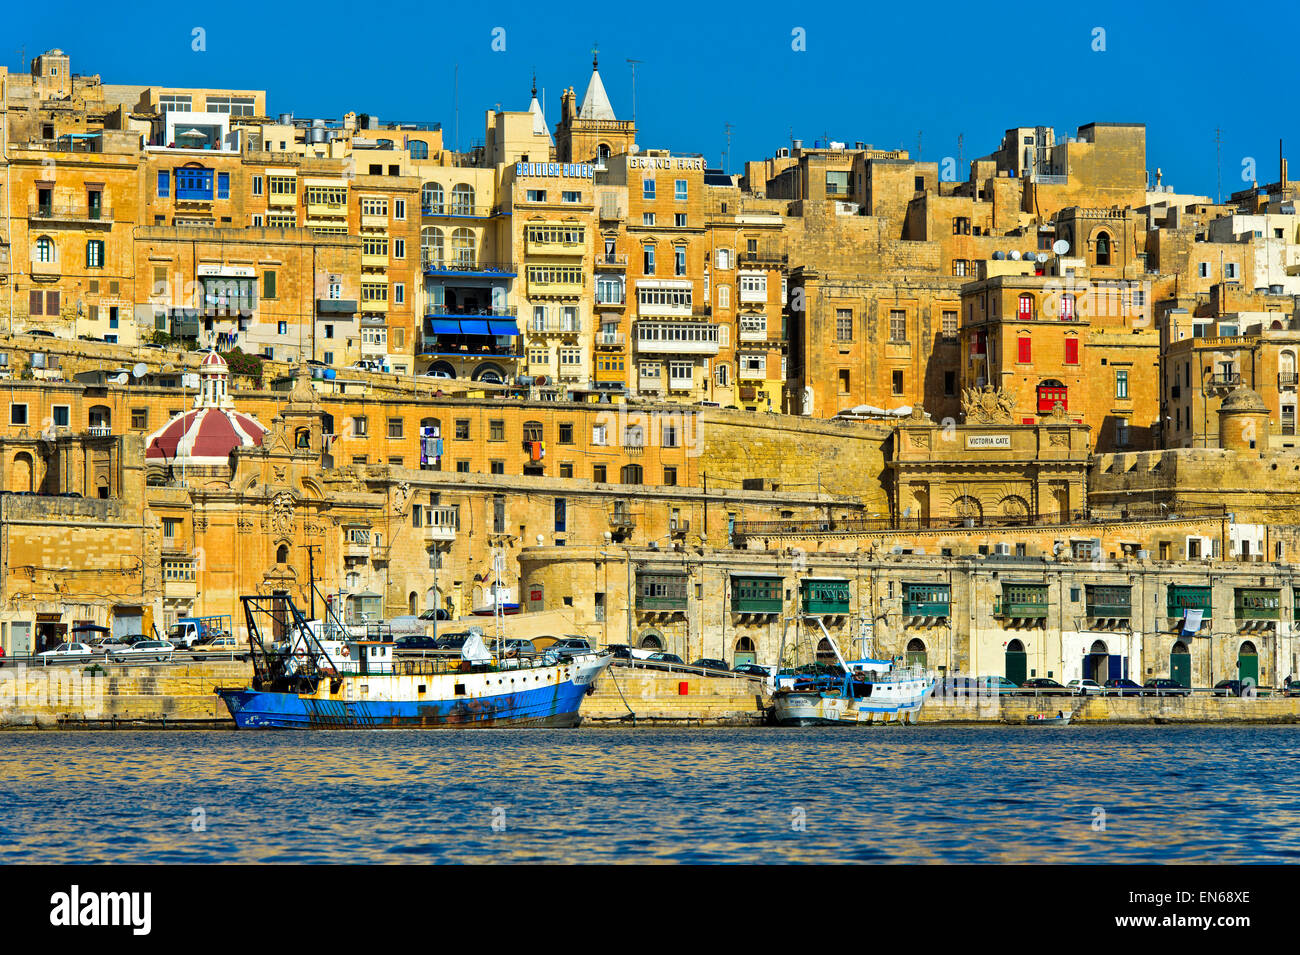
{"x":344,"y":652}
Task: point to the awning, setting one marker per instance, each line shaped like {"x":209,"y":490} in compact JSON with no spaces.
{"x":443,"y":326}
{"x":474,"y":327}
{"x":510,"y":327}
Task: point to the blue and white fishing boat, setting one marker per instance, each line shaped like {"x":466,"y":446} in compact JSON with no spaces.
{"x":304,"y":681}
{"x":853,"y":692}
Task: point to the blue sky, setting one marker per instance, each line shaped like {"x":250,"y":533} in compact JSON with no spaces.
{"x":882,"y":76}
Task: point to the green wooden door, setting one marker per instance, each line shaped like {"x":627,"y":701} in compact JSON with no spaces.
{"x":1180,"y":668}
{"x":1248,"y":667}
{"x":1017,"y":666}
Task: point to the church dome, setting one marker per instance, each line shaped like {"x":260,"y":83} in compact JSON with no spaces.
{"x":208,"y":433}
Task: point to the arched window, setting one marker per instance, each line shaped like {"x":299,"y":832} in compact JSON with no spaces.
{"x":282,"y":554}
{"x":631,"y":474}
{"x":650,"y":640}
{"x":45,"y":249}
{"x":1025,"y":308}
{"x":533,"y":431}
{"x":462,"y":249}
{"x":462,"y":200}
{"x":413,"y":602}
{"x":915,"y":655}
{"x":100,"y":419}
{"x":1103,"y":248}
{"x":431,"y":199}
{"x":602,"y":151}
{"x":431,"y":251}
{"x":418,"y":149}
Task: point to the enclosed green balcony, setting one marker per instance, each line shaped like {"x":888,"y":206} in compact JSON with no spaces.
{"x":826,"y":595}
{"x":1028,"y":601}
{"x":1109,"y":601}
{"x":756,"y":594}
{"x":1257,"y":603}
{"x":1185,"y":597}
{"x":662,"y":593}
{"x":926,"y":600}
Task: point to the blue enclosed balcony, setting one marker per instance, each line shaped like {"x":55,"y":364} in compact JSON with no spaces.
{"x":481,"y":333}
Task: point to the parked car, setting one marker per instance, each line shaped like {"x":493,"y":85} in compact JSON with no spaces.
{"x":754,"y":669}
{"x":1234,"y":688}
{"x":662,"y":660}
{"x":1291,"y":687}
{"x":109,"y":643}
{"x":416,"y":641}
{"x":41,"y":332}
{"x":439,"y":613}
{"x":706,"y":663}
{"x":1000,"y":684}
{"x":223,"y":645}
{"x":436,"y":373}
{"x":566,"y":648}
{"x":159,"y":650}
{"x":515,"y":647}
{"x":1045,"y":686}
{"x":1084,"y":687}
{"x":619,"y":651}
{"x":452,"y":641}
{"x":1162,"y":687}
{"x":66,"y":653}
{"x":1122,"y":688}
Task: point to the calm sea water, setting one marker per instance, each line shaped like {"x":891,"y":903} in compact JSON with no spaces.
{"x":882,"y":794}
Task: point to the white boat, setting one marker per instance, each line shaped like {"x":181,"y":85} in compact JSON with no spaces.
{"x":858,"y":691}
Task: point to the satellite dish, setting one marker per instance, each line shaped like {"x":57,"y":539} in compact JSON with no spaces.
{"x":1041,"y":257}
{"x":998,"y":256}
{"x":139,"y":370}
{"x":1060,"y":247}
{"x":1015,"y":255}
{"x":120,"y":379}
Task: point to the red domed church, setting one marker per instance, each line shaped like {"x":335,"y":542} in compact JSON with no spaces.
{"x":206,"y":435}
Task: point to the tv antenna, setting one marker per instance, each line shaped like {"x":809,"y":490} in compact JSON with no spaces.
{"x":726,"y":156}
{"x":1218,"y":160}
{"x":633,"y":63}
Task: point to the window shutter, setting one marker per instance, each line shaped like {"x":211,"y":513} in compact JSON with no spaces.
{"x":164,"y":184}
{"x":1072,"y":351}
{"x":35,"y":300}
{"x":223,"y":185}
{"x":1025,"y":350}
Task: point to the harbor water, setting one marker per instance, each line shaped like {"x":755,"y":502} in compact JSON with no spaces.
{"x":1105,"y":794}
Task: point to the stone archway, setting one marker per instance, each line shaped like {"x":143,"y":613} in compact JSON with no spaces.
{"x":22,"y":473}
{"x":650,"y":640}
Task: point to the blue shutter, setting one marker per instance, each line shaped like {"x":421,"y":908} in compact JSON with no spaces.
{"x":223,"y":185}
{"x":164,"y":183}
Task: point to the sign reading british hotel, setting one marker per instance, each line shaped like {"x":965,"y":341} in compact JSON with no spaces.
{"x":581,"y":170}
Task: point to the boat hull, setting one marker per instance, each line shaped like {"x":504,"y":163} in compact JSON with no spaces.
{"x":468,"y":703}
{"x":792,"y":708}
